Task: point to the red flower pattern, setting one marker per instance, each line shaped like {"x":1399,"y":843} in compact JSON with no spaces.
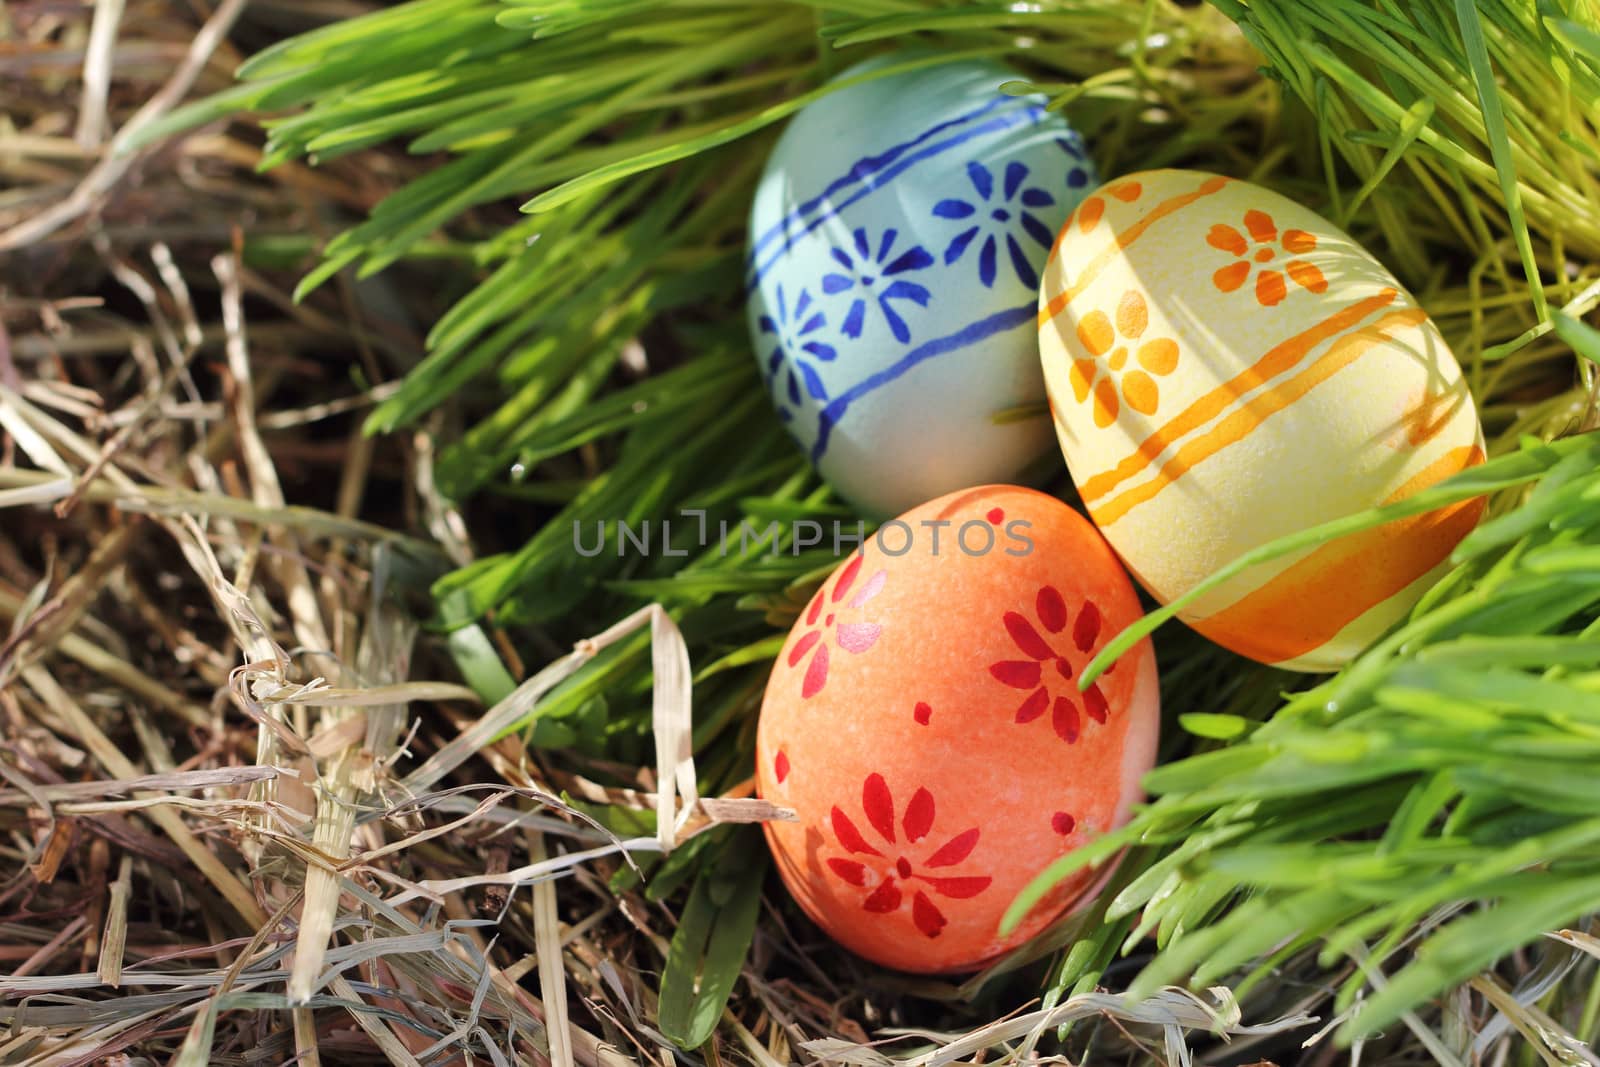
{"x":853,"y":637}
{"x":1032,"y":673}
{"x":887,"y":895}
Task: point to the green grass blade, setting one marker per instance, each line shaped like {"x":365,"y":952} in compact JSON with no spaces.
{"x":660,"y":157}
{"x":1500,"y":145}
{"x":712,"y":939}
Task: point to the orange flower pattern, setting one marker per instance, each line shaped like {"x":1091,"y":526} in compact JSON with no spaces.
{"x":1271,"y":287}
{"x":1109,"y":343}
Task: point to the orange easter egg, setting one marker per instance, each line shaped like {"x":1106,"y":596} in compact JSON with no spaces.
{"x":924,"y":722}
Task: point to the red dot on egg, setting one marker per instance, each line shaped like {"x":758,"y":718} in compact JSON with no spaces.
{"x":922,"y":713}
{"x":780,"y":766}
{"x":903,"y":866}
{"x":1062,"y":823}
{"x":997,"y":516}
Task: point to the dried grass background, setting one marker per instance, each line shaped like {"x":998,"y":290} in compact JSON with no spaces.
{"x":249,"y":815}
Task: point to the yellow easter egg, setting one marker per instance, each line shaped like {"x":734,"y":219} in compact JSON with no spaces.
{"x":1226,"y":367}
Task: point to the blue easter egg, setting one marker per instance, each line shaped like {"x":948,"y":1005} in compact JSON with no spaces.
{"x":896,"y":242}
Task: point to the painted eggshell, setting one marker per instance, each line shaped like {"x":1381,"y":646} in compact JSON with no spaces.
{"x":895,"y":242}
{"x":1225,"y":368}
{"x":924,"y":722}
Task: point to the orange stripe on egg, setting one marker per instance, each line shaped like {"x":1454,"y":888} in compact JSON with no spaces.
{"x":1092,"y":269}
{"x":1278,"y":359}
{"x":1303,"y":608}
{"x":1253,"y":412}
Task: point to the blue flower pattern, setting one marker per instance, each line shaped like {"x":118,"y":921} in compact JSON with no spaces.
{"x":872,"y":276}
{"x":793,"y":332}
{"x":997,"y":220}
{"x":991,"y":216}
